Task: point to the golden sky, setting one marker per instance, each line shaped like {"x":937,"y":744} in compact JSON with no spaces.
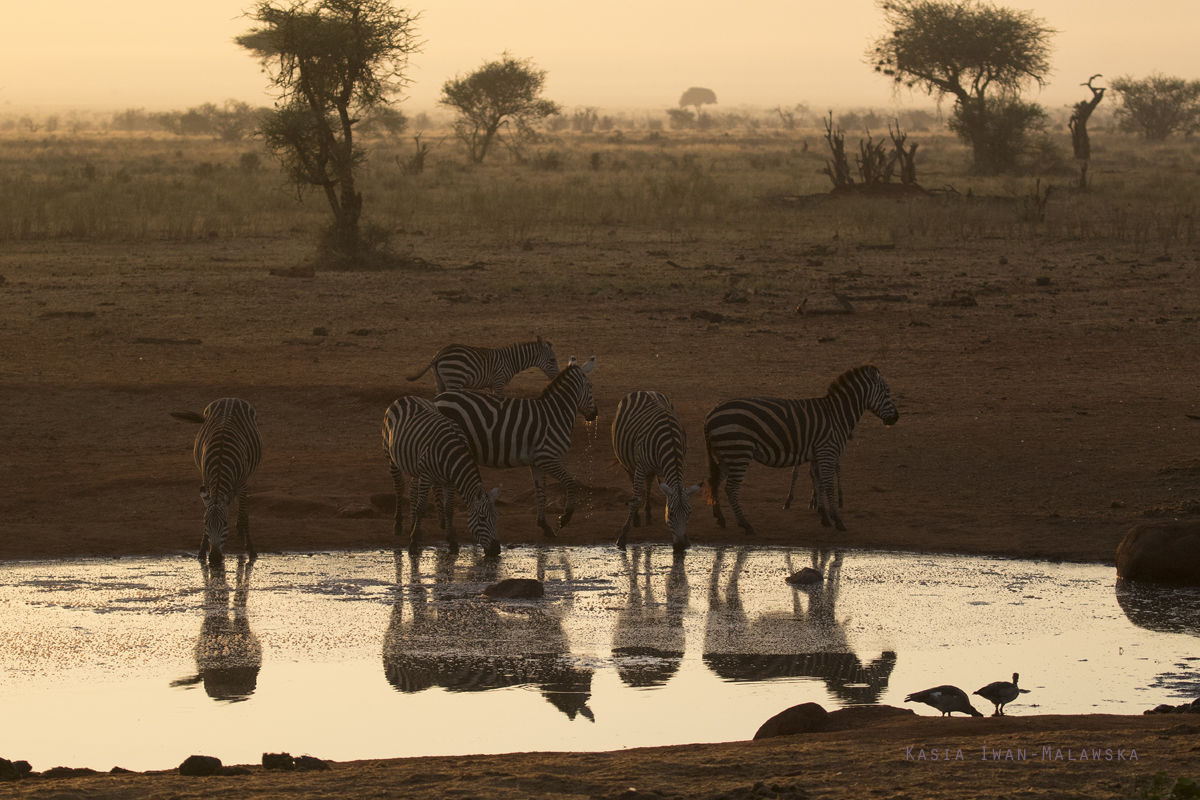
{"x":617,"y":54}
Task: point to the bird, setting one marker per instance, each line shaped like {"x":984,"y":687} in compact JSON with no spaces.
{"x":1000,"y":693}
{"x":945,"y":699}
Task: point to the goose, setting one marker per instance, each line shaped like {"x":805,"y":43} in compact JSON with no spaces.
{"x":945,"y":699}
{"x":1000,"y":693}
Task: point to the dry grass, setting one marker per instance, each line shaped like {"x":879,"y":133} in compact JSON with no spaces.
{"x":583,"y":187}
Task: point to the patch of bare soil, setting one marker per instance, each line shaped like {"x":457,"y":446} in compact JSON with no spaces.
{"x":1040,"y":419}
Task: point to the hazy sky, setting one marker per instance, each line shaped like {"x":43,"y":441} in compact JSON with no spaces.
{"x":619,"y":54}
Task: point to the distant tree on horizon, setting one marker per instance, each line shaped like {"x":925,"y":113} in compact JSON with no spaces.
{"x":696,"y":97}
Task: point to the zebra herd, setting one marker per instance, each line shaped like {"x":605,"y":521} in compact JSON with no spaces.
{"x":440,"y":444}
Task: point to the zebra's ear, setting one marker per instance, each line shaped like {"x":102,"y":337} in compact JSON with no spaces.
{"x":494,"y":493}
{"x":693,"y":489}
{"x":667,"y":490}
{"x":589,"y":366}
{"x":539,"y":341}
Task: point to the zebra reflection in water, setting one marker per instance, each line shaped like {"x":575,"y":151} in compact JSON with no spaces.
{"x":808,"y":642}
{"x":649,"y":639}
{"x":473,"y":644}
{"x":228,"y":654}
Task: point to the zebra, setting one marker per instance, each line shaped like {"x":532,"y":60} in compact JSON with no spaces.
{"x":424,"y":444}
{"x":510,"y":432}
{"x":457,"y":367}
{"x":227,"y":451}
{"x":780,"y":432}
{"x":650,"y":442}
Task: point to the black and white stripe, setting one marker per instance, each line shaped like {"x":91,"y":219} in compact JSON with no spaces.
{"x":778,"y":432}
{"x":425,"y":445}
{"x":227,"y":450}
{"x":536,"y":433}
{"x":650,"y":442}
{"x":458,"y":367}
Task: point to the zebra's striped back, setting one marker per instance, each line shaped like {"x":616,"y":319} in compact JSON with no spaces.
{"x":459,"y":367}
{"x":649,"y":441}
{"x":227,"y":451}
{"x":426,"y":445}
{"x":779,"y":432}
{"x":512,"y":432}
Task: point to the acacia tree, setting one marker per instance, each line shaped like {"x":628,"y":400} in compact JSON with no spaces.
{"x":500,"y":94}
{"x":332,"y":62}
{"x":1157,"y":106}
{"x":981,"y":55}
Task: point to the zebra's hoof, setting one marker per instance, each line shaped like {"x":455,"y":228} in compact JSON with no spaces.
{"x":565,"y":518}
{"x":748,"y":529}
{"x":636,"y":520}
{"x":841,"y":526}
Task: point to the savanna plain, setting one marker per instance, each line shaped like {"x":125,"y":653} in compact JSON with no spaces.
{"x":1042,"y":352}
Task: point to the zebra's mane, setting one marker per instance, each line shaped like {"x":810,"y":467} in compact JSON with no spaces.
{"x":559,"y":378}
{"x":848,"y":379}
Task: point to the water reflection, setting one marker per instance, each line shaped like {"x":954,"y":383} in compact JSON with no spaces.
{"x":228,"y":654}
{"x":1159,"y":607}
{"x":465,"y":643}
{"x":807,"y":642}
{"x":649,"y":639}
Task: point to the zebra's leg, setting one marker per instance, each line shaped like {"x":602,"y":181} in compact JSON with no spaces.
{"x":792,"y":490}
{"x":418,"y":497}
{"x":649,"y":483}
{"x":398,"y":484}
{"x":826,"y":468}
{"x":638,"y":477}
{"x":204,"y":543}
{"x":556,"y":470}
{"x":243,"y":523}
{"x":448,"y":506}
{"x":733,"y":487}
{"x":539,"y":485}
{"x":715,"y":475}
{"x":812,"y":503}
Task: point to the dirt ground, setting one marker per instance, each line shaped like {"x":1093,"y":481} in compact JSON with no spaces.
{"x":1039,"y":417}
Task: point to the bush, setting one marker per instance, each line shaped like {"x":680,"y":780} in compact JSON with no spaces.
{"x":1157,"y":106}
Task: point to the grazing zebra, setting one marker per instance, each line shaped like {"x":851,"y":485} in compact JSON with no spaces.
{"x":649,"y":443}
{"x":779,"y":432}
{"x":457,"y":367}
{"x":227,"y":450}
{"x":510,"y":432}
{"x":424,"y":444}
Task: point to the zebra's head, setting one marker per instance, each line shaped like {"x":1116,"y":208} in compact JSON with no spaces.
{"x":483,"y":520}
{"x":547,"y":362}
{"x":879,"y":398}
{"x":584,"y":402}
{"x":216,"y":526}
{"x":679,"y":509}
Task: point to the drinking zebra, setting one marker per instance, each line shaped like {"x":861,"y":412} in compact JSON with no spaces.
{"x":458,"y":367}
{"x":536,"y":433}
{"x":779,"y":432}
{"x":649,"y":443}
{"x":227,"y":450}
{"x":425,"y":445}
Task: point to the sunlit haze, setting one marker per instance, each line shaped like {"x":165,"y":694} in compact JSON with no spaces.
{"x":619,"y":55}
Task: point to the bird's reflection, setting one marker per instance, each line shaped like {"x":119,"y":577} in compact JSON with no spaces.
{"x":648,"y":642}
{"x":455,"y":639}
{"x":228,"y":654}
{"x":808,"y":642}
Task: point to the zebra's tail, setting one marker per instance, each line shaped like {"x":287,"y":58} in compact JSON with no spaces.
{"x":714,"y":475}
{"x":422,"y":372}
{"x":189,"y":416}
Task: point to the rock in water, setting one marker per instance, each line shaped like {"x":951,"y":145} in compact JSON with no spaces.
{"x":804,"y":718}
{"x":805,"y":576}
{"x":1161,"y":551}
{"x":515,"y":588}
{"x":200,"y":766}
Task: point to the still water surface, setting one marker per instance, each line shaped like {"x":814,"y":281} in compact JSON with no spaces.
{"x":142,"y":662}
